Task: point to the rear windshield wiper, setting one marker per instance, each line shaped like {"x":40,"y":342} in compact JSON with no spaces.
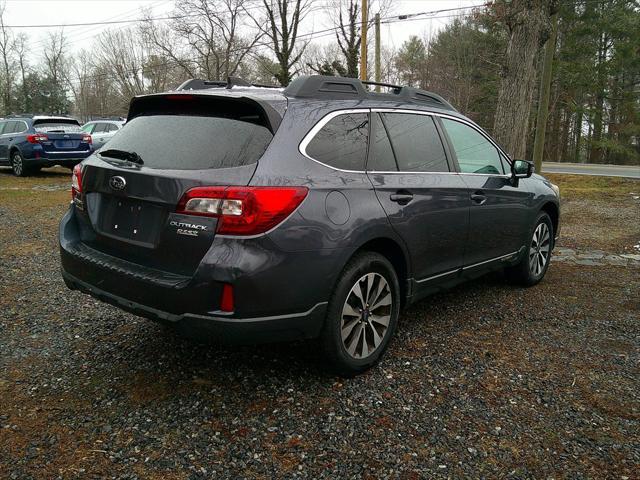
{"x":132,"y":157}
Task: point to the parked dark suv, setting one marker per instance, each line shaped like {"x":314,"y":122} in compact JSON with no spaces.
{"x":320,"y":210}
{"x":28,"y":143}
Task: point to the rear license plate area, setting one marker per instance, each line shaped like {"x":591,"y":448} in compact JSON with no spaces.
{"x":64,"y":143}
{"x":131,"y":220}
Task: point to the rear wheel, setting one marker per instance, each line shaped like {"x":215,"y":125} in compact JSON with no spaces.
{"x":17,"y":165}
{"x":362,"y":314}
{"x":535,"y":261}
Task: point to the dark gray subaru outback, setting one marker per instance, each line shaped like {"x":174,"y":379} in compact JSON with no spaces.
{"x":255,"y":214}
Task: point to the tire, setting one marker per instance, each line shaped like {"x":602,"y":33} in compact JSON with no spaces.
{"x":17,"y":165}
{"x":535,"y":261}
{"x":368,"y":328}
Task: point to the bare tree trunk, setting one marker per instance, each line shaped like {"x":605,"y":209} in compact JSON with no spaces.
{"x":529,"y":25}
{"x":6,"y":40}
{"x":282,"y":30}
{"x":348,"y":36}
{"x":545,"y":91}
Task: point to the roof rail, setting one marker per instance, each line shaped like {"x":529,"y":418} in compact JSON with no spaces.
{"x":325,"y":87}
{"x":31,"y":115}
{"x":199,"y":84}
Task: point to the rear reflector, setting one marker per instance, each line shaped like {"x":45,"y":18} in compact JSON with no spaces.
{"x":226,"y":299}
{"x":243,"y":210}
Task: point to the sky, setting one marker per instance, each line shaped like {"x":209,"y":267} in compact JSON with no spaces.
{"x":38,"y":12}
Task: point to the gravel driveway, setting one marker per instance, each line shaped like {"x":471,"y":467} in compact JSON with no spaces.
{"x":486,"y":380}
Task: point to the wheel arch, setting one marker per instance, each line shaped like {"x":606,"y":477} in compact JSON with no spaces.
{"x":14,"y":148}
{"x":394,"y":252}
{"x":554,"y":213}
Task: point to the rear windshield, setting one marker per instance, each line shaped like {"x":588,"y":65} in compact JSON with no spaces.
{"x":64,"y":125}
{"x":184,"y":142}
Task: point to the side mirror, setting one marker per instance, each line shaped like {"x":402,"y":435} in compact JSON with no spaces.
{"x":522,"y":169}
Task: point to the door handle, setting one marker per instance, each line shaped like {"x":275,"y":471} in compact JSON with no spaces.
{"x":401,"y":197}
{"x":478,"y":198}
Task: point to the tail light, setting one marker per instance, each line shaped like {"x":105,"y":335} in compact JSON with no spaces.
{"x":37,"y":138}
{"x":243,"y":210}
{"x":87,"y":139}
{"x":76,"y":183}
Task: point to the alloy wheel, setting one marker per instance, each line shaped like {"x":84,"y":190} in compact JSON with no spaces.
{"x":17,"y":164}
{"x":539,"y":250}
{"x":366,"y":315}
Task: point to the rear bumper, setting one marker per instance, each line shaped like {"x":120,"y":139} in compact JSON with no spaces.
{"x":189,"y":303}
{"x":217,"y":328}
{"x":42,"y":158}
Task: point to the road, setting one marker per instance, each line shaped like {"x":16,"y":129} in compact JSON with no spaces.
{"x":628,"y":171}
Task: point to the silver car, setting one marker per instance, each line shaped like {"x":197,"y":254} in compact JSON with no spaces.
{"x":102,"y":131}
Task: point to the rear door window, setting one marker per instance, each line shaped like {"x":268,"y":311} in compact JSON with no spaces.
{"x":475,"y":153}
{"x":186,"y":142}
{"x":10,"y":127}
{"x":342,"y":142}
{"x":110,"y":127}
{"x":415,"y":142}
{"x":381,"y":158}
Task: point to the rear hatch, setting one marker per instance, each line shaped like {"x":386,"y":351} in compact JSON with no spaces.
{"x":63,"y":135}
{"x":183,"y":141}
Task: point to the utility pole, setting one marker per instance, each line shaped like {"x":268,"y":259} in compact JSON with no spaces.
{"x":377,"y":51}
{"x":363,"y":42}
{"x":545,"y":90}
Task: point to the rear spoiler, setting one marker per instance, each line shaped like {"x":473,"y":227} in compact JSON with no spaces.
{"x":204,"y":104}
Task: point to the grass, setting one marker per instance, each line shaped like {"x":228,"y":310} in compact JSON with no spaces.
{"x":592,"y":187}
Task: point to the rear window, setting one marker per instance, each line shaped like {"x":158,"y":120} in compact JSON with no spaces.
{"x":183,"y":142}
{"x":63,"y":125}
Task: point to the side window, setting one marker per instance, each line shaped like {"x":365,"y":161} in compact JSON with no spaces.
{"x":381,"y":158}
{"x":506,"y":166}
{"x":100,"y":128}
{"x":416,"y":142}
{"x":11,"y":127}
{"x":342,"y":142}
{"x":20,"y":127}
{"x":475,"y":153}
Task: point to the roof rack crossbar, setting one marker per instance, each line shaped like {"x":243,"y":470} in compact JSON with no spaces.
{"x":327,"y":87}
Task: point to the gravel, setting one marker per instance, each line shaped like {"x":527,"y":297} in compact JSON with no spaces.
{"x":486,"y":380}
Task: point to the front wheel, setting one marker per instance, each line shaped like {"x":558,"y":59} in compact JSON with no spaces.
{"x":362,"y":314}
{"x":535,"y":260}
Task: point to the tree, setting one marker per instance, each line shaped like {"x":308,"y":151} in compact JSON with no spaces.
{"x":411,"y":61}
{"x":463,"y":66}
{"x":348,"y":34}
{"x":528,"y":24}
{"x":6,"y":54}
{"x":281,"y":28}
{"x":204,"y":39}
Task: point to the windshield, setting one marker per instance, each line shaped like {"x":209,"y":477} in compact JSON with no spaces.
{"x":185,"y":142}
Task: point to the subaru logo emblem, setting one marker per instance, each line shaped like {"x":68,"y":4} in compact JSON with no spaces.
{"x":117,"y":183}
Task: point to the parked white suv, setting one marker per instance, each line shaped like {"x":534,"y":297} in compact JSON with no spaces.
{"x":102,"y":131}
